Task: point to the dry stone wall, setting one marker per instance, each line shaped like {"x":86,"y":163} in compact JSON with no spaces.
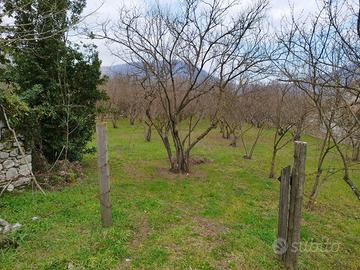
{"x":15,"y":169}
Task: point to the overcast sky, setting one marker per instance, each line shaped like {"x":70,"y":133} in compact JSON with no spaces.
{"x":108,"y":9}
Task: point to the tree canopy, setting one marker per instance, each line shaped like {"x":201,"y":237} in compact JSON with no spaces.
{"x":57,"y":80}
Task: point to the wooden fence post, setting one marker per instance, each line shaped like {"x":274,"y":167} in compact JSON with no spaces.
{"x":296,"y":199}
{"x":104,"y":174}
{"x":284,"y":206}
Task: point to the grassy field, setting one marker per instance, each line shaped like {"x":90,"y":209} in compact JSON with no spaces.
{"x":221,"y":216}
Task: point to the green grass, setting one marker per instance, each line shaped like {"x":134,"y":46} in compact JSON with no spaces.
{"x":222,"y":216}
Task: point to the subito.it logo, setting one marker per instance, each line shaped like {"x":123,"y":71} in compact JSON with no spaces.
{"x":280,"y":246}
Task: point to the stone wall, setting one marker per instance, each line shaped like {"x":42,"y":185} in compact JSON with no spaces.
{"x":15,"y":169}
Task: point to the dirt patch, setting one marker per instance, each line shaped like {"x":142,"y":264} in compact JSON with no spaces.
{"x":199,"y":160}
{"x":134,"y":171}
{"x":194,"y":171}
{"x":211,"y":231}
{"x":208,"y":228}
{"x":208,"y":237}
{"x":141,"y":233}
{"x":151,"y":170}
{"x":167,"y":174}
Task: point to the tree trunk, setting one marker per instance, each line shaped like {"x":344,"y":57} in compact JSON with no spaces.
{"x":114,"y":121}
{"x":182,"y":158}
{"x":272,"y":166}
{"x":233,"y":141}
{"x":355,"y":151}
{"x":167,"y":145}
{"x":249,"y":156}
{"x":346,"y":177}
{"x":242,"y":135}
{"x":315,"y":190}
{"x":317,"y":183}
{"x":352,"y":185}
{"x":147,"y":134}
{"x":222,"y":129}
{"x":227,"y":132}
{"x":299,"y":128}
{"x":131,"y":120}
{"x":183,"y":162}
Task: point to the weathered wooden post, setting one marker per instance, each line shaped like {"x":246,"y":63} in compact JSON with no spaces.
{"x":290,"y":202}
{"x":284,"y":206}
{"x":296,"y":199}
{"x":104,"y":174}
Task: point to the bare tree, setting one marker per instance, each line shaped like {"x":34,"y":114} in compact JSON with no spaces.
{"x":255,"y":110}
{"x":281,"y":120}
{"x":126,"y":98}
{"x":231,"y":115}
{"x":114,"y":106}
{"x":318,"y":63}
{"x":185,"y":56}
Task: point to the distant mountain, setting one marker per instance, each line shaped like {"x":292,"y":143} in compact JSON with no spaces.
{"x":125,"y":69}
{"x":121,"y":69}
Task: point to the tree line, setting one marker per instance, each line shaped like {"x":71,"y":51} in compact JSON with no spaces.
{"x":205,"y":61}
{"x":201,"y":66}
